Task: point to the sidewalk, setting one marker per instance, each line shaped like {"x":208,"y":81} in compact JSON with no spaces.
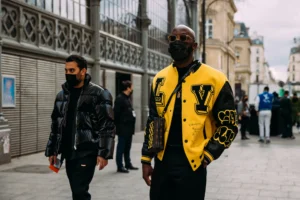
{"x":246,"y":171}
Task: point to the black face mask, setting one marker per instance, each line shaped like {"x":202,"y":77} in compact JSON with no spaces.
{"x":179,"y":50}
{"x":72,"y":80}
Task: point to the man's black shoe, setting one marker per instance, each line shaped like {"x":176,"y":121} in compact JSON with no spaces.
{"x":132,"y":168}
{"x":123,"y":170}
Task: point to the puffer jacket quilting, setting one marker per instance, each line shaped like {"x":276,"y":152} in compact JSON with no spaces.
{"x":94,"y":120}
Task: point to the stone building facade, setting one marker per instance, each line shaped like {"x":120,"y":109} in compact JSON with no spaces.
{"x":242,"y":44}
{"x":219,"y":36}
{"x":120,"y":40}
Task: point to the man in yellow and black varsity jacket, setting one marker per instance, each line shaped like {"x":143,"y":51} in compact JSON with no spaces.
{"x":201,"y":122}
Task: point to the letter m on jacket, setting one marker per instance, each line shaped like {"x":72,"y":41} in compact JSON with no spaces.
{"x":203,"y":95}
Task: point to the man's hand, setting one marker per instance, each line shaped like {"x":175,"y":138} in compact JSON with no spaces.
{"x":101,"y":162}
{"x":52,"y":160}
{"x":204,"y":163}
{"x":147,"y":173}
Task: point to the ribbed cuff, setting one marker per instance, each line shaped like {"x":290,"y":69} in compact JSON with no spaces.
{"x":146,"y":160}
{"x":208,"y":157}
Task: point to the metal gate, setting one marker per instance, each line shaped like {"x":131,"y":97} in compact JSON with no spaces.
{"x":37,"y":83}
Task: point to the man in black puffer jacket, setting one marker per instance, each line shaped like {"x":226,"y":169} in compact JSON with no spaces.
{"x":82,"y":127}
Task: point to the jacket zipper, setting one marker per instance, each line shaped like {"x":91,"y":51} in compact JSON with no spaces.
{"x":76,"y":118}
{"x":204,"y":133}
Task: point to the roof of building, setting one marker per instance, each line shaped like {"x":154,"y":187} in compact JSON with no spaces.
{"x":243,"y":33}
{"x":295,"y":50}
{"x":257,"y":41}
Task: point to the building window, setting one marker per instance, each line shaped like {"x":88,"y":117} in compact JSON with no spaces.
{"x":257,"y":59}
{"x":293,"y":77}
{"x":293,"y":67}
{"x":257,"y":78}
{"x":121,"y":18}
{"x":183,"y":17}
{"x":237,"y":55}
{"x":159,"y":28}
{"x":209,"y":28}
{"x":236,"y":32}
{"x":76,"y":10}
{"x":257,"y":51}
{"x":293,"y":58}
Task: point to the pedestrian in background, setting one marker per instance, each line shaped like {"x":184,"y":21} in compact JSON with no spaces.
{"x":264,"y":106}
{"x":82,"y":128}
{"x":286,"y":113}
{"x":125,"y":125}
{"x":244,"y":116}
{"x":295,"y":110}
{"x":276,"y":122}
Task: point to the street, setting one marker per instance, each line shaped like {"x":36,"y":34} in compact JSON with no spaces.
{"x":246,"y":171}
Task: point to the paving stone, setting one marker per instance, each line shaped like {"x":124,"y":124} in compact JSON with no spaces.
{"x":246,"y":171}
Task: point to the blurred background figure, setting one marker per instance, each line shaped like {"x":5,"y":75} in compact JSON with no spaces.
{"x":244,"y":115}
{"x":276,"y":128}
{"x":286,"y":114}
{"x":295,"y":110}
{"x":264,"y":106}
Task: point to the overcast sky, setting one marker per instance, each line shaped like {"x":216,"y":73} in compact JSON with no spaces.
{"x":279,"y":22}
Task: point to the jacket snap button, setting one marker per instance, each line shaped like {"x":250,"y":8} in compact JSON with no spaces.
{"x":184,"y":101}
{"x":193,"y":161}
{"x":184,"y":120}
{"x":195,"y":166}
{"x":186,"y":141}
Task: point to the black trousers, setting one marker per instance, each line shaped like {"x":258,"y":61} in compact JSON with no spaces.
{"x":287,"y":124}
{"x":244,"y":125}
{"x":123,"y":148}
{"x":174,"y":179}
{"x":80,"y":174}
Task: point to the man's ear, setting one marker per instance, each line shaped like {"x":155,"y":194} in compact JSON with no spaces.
{"x":83,"y":71}
{"x":195,"y":45}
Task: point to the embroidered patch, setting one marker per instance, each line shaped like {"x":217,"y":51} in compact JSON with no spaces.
{"x":224,"y":136}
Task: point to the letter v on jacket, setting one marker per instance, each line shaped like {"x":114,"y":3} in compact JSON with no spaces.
{"x":209,"y":118}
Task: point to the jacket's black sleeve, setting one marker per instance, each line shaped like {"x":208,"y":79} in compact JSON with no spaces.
{"x":225,"y":116}
{"x":52,"y":142}
{"x":146,"y":155}
{"x":105,"y":117}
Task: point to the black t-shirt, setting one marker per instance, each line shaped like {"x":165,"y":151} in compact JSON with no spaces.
{"x":175,"y":134}
{"x":70,"y":129}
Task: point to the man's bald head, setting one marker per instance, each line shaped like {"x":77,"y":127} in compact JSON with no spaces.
{"x":183,"y":29}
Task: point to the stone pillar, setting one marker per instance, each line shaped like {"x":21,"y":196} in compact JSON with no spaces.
{"x":195,"y":20}
{"x":5,"y":156}
{"x":110,"y":82}
{"x":95,"y":24}
{"x":136,"y":98}
{"x":173,"y":9}
{"x":145,"y":82}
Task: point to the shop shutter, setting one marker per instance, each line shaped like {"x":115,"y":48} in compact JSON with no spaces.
{"x":46,"y":96}
{"x":60,"y":76}
{"x":11,"y":66}
{"x":28,"y":105}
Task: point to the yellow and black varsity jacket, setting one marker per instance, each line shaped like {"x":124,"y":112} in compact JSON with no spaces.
{"x":209,"y":119}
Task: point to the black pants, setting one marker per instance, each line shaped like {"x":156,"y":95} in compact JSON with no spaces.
{"x":287,"y":124}
{"x":123,"y":148}
{"x":244,"y":125}
{"x":174,"y":179}
{"x":80,"y":173}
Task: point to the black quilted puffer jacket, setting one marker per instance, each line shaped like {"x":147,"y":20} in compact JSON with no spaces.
{"x":95,"y":127}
